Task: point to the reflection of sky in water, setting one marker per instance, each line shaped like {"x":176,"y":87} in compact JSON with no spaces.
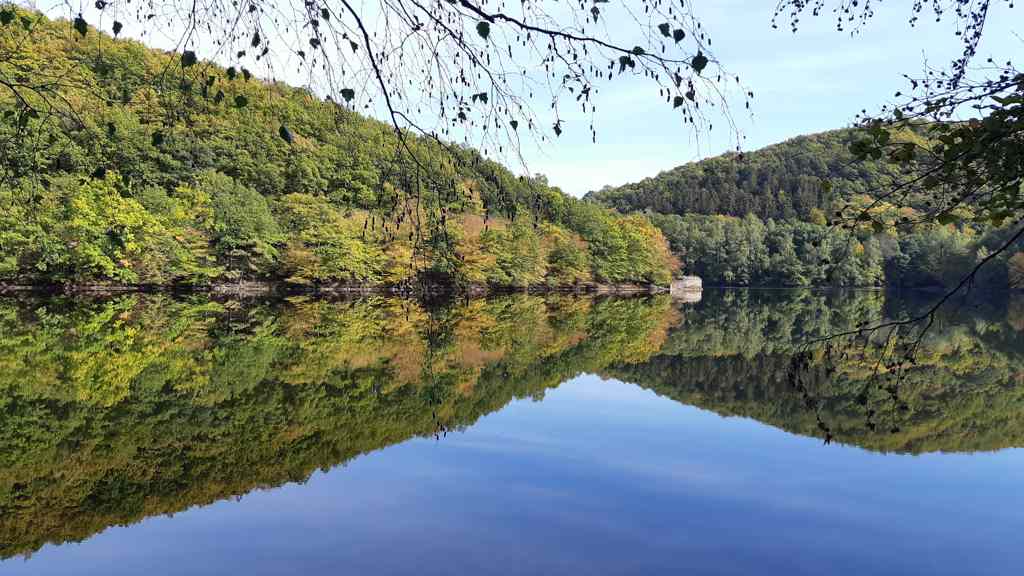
{"x":600,"y":477}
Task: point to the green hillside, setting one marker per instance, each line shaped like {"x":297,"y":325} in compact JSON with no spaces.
{"x":762,"y":219}
{"x":781,"y":182}
{"x":125,"y":165}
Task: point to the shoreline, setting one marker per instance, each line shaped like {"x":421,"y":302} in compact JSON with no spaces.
{"x":281,"y":288}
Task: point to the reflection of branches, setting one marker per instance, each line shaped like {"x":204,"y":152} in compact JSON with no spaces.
{"x":895,"y":355}
{"x":981,"y":177}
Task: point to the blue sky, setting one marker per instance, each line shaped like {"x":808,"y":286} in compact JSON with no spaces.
{"x":815,"y":80}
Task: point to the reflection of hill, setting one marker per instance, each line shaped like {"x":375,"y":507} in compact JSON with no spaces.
{"x":133,"y":407}
{"x":732,"y":357}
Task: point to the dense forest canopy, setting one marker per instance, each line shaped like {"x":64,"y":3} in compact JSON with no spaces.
{"x":805,"y":178}
{"x":970,"y":114}
{"x":162,"y":175}
{"x":121,"y":164}
{"x":114,"y":410}
{"x":968,"y":164}
{"x":385,"y":203}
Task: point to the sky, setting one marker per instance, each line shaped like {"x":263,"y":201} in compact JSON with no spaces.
{"x":814,"y":80}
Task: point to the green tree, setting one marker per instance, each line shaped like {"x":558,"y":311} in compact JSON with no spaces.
{"x":243,"y":228}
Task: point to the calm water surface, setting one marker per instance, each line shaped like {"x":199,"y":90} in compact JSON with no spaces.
{"x":520,"y":435}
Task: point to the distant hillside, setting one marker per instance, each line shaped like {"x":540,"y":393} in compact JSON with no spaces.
{"x":761,"y":219}
{"x":139,"y":166}
{"x":783,"y":181}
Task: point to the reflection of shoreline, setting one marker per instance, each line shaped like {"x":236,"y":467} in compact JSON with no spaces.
{"x":119,"y":409}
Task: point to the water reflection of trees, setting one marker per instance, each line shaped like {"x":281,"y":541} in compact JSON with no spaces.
{"x":120,"y":409}
{"x":735,"y":355}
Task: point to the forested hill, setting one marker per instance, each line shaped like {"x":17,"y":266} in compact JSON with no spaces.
{"x":121,"y":164}
{"x":782,"y":181}
{"x":761,"y":219}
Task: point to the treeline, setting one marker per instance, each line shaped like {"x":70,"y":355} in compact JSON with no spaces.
{"x":115,"y":410}
{"x":784,"y":181}
{"x":167,"y":170}
{"x":731,"y":251}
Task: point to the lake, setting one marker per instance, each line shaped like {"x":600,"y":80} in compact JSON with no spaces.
{"x":149,"y":434}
